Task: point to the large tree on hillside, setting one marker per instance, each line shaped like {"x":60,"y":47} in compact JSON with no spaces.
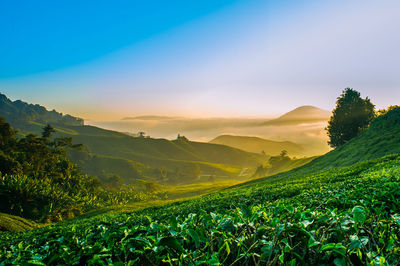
{"x":351,"y":116}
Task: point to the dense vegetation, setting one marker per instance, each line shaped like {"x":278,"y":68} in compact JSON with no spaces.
{"x":346,"y":215}
{"x":341,"y":208}
{"x":343,"y":215}
{"x":39,"y":182}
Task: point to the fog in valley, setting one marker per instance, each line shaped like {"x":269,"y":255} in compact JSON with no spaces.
{"x":312,"y":136}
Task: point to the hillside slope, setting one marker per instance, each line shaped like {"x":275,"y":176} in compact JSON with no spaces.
{"x":258,"y":145}
{"x":324,"y":218}
{"x":109,"y":152}
{"x":308,"y":216}
{"x":380,"y":139}
{"x":177,"y":155}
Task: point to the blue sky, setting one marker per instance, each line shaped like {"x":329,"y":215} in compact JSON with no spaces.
{"x":50,"y":35}
{"x":109,"y":59}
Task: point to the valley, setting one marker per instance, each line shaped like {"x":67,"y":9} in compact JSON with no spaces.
{"x":283,"y":210}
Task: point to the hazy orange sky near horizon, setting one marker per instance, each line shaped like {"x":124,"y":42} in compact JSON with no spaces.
{"x":227,"y":59}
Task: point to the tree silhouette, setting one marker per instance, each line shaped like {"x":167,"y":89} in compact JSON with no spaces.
{"x":6,"y":132}
{"x":47,"y":131}
{"x":351,"y":116}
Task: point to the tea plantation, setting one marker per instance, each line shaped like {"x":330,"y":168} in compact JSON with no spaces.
{"x":324,"y":213}
{"x":341,"y":216}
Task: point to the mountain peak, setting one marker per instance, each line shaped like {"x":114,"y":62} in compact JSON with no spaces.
{"x":302,"y":114}
{"x":306,"y":112}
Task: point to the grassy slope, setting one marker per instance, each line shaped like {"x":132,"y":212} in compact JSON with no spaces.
{"x":145,"y":149}
{"x":133,"y":155}
{"x":382,"y":138}
{"x":211,"y":158}
{"x":338,"y":215}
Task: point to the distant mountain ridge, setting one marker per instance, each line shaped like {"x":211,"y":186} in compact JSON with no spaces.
{"x":17,"y":112}
{"x":258,"y":145}
{"x":300,"y":115}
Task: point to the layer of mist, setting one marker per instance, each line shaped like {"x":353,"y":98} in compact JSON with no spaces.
{"x":312,"y":136}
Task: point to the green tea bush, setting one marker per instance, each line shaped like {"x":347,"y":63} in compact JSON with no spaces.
{"x":43,"y":199}
{"x":24,"y":196}
{"x":340,"y":216}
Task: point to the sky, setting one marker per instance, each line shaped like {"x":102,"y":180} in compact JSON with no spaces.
{"x":105,"y":60}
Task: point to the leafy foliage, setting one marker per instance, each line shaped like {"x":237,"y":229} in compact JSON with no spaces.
{"x":351,"y":116}
{"x":341,"y":216}
{"x":39,"y":182}
{"x":385,"y":111}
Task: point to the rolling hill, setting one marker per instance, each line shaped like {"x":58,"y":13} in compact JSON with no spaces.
{"x":301,"y":115}
{"x":258,"y":145}
{"x":148,"y":155}
{"x":110,"y":152}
